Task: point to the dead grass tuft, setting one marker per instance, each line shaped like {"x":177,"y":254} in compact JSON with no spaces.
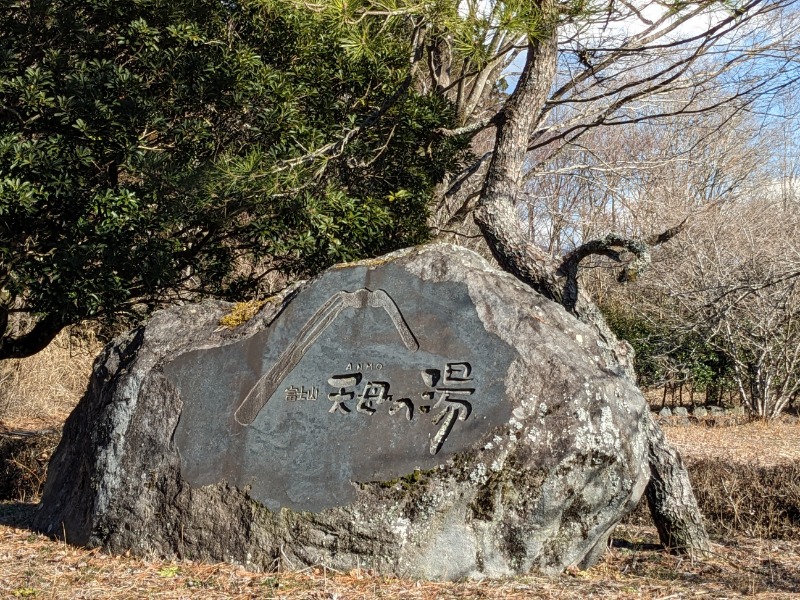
{"x":40,"y":391}
{"x":750,"y":499}
{"x":23,"y":463}
{"x":742,"y":499}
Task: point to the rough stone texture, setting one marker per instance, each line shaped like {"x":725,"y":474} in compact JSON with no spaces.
{"x":539,"y":483}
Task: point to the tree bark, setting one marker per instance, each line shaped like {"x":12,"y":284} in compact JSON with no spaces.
{"x":33,"y":341}
{"x":671,"y":499}
{"x":669,"y":493}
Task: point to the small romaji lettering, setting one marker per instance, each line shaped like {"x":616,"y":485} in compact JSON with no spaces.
{"x":364,"y":366}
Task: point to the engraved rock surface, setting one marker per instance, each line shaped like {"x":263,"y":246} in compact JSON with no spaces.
{"x":422,"y":414}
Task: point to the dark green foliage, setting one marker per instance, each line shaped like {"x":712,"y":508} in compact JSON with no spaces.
{"x":150,"y":148}
{"x":665,"y":355}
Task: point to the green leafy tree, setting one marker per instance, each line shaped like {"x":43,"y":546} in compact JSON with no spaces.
{"x":151,"y":148}
{"x":666,"y":354}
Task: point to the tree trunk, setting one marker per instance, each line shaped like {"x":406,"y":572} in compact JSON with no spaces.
{"x":671,"y":500}
{"x":669,"y":493}
{"x":28,"y":344}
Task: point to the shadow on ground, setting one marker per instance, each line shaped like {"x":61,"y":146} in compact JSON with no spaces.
{"x":635,"y":546}
{"x":740,"y":564}
{"x":17,"y":514}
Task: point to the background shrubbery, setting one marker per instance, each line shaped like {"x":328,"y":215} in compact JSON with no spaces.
{"x":742,"y":498}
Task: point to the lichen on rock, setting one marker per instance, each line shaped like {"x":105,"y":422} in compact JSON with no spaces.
{"x":241,"y":313}
{"x":421,"y":415}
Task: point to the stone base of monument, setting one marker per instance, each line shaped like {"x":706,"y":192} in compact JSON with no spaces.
{"x":421,"y":415}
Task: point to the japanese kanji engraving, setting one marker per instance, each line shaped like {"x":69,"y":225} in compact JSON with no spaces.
{"x":266,"y":386}
{"x":364,"y":375}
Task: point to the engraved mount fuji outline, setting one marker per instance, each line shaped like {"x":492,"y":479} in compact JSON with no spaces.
{"x":326,"y":314}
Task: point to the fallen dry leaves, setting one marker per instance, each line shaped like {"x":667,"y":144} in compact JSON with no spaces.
{"x":757,"y":442}
{"x":32,"y":565}
{"x":35,"y":566}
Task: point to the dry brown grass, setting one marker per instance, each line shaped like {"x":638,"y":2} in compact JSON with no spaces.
{"x":748,"y":499}
{"x":746,"y":476}
{"x":40,"y":391}
{"x":756,"y":442}
{"x":35,"y":566}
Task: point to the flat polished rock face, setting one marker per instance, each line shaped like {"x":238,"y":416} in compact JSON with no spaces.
{"x":366,"y":375}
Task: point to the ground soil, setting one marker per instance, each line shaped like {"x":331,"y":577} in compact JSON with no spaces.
{"x":32,"y":565}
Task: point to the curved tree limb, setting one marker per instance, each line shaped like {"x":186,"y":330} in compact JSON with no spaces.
{"x":669,"y":492}
{"x":605,"y":246}
{"x":608,"y":246}
{"x":33,"y":341}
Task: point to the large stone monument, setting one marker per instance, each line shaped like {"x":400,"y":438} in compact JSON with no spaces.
{"x":421,"y":414}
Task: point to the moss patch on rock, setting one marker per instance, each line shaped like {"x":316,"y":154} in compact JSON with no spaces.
{"x":241,"y":313}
